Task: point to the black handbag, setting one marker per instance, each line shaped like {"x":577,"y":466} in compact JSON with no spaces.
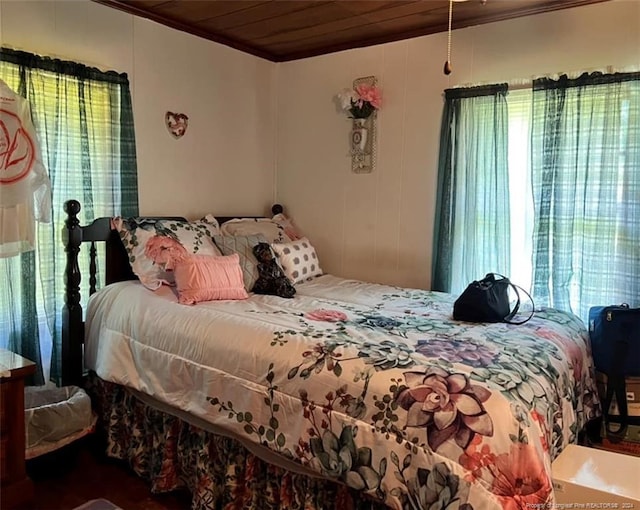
{"x":487,"y":300}
{"x":614,"y":332}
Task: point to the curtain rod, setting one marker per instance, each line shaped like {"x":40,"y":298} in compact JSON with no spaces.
{"x":527,"y":83}
{"x":520,"y":85}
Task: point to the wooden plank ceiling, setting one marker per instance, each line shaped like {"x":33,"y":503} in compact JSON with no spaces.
{"x":281,"y":30}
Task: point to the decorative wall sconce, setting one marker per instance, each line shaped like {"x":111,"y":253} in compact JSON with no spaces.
{"x":361,"y":103}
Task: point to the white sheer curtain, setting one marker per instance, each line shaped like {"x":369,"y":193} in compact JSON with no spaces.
{"x":586,"y":183}
{"x":472,"y":213}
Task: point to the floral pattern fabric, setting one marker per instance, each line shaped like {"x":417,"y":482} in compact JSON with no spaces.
{"x":219,"y":472}
{"x":155,"y":245}
{"x":378,"y":388}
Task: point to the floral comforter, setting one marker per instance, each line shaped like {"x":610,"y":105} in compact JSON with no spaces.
{"x":371,"y":385}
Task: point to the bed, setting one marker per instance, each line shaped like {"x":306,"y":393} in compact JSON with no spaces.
{"x":348,"y":395}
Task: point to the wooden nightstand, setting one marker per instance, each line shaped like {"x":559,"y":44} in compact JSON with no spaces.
{"x":16,"y":489}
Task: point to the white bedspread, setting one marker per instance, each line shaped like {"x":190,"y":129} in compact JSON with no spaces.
{"x":372,"y":385}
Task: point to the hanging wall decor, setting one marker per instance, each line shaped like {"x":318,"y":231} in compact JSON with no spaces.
{"x":362,"y":103}
{"x":176,"y":123}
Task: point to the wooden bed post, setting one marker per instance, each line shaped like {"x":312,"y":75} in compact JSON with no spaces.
{"x":72,"y":323}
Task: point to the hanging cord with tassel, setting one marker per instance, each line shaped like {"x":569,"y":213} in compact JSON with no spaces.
{"x":447,"y":64}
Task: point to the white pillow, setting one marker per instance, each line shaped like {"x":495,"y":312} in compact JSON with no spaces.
{"x":152,"y":244}
{"x":298,"y":260}
{"x":271,"y":230}
{"x":289,"y":228}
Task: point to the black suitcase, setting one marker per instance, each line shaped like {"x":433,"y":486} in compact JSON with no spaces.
{"x":615,"y":343}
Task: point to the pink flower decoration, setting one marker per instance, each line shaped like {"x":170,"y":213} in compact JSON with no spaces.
{"x":116,"y":223}
{"x":326,"y":315}
{"x":370,"y":93}
{"x":164,"y":251}
{"x":519,"y":478}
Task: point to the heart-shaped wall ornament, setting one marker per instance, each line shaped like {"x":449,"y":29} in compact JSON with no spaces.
{"x":177,"y":124}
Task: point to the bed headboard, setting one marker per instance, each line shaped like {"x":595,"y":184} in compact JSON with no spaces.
{"x":117,"y":269}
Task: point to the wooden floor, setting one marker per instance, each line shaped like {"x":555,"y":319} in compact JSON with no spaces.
{"x":64,"y":481}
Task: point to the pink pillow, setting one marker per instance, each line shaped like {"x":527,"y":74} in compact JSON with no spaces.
{"x":207,"y":278}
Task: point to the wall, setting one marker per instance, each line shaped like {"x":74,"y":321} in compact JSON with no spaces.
{"x":379,"y":226}
{"x":244,"y":110}
{"x":225,"y":162}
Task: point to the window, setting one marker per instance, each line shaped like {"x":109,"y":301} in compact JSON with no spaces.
{"x":84,"y":122}
{"x":520,"y":194}
{"x":573,"y":179}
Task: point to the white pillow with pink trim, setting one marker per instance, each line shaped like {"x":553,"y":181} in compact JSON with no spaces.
{"x":155,"y":245}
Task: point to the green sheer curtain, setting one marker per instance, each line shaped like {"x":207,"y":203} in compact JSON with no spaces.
{"x":19,"y":328}
{"x":586,"y":184}
{"x":471,"y":234}
{"x":84,"y":122}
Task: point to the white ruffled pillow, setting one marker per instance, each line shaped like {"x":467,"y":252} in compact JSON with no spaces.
{"x":298,"y":260}
{"x":153,"y":245}
{"x":290,"y":229}
{"x":273,"y":231}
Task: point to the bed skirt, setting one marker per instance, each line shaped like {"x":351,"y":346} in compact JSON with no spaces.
{"x":219,"y":472}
